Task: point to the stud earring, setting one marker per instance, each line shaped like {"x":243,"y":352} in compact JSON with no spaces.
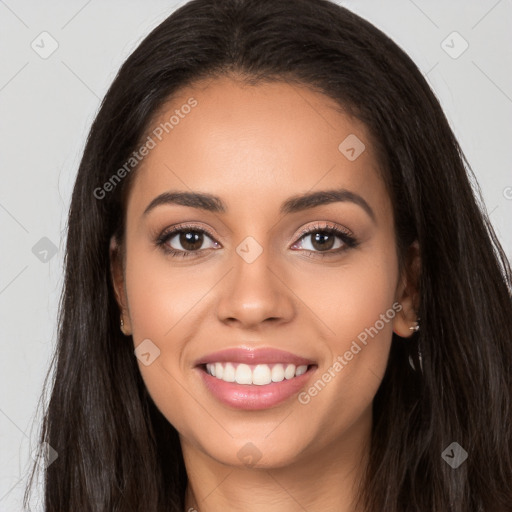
{"x":122,"y":325}
{"x":416,"y":327}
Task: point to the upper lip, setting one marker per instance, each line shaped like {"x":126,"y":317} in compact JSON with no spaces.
{"x":249,"y":355}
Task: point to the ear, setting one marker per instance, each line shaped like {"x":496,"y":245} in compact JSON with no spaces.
{"x":118,"y":282}
{"x":408,"y":293}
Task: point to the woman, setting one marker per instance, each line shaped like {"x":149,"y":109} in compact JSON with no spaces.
{"x":280,"y":290}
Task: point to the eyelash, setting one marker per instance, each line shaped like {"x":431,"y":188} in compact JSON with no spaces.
{"x":348,"y":240}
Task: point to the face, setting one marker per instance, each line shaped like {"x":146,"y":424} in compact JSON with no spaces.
{"x":260,"y":267}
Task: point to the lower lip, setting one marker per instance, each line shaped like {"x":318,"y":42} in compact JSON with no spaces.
{"x":252,"y":396}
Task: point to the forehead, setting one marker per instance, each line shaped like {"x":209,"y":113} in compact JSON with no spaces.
{"x":256,"y":145}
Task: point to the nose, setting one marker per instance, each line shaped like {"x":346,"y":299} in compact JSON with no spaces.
{"x":255,"y":294}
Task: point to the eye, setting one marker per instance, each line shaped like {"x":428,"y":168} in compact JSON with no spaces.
{"x":186,"y":240}
{"x":322,"y":240}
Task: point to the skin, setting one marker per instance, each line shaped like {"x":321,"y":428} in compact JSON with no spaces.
{"x":255,"y":147}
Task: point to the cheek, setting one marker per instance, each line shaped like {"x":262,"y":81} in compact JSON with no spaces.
{"x":165,"y":306}
{"x":160,"y":296}
{"x":347,"y":299}
{"x":354,"y":307}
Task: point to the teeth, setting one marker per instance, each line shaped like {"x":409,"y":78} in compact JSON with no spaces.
{"x":259,"y":375}
{"x":300,"y":370}
{"x":242,"y":374}
{"x":289,"y":373}
{"x":229,"y":373}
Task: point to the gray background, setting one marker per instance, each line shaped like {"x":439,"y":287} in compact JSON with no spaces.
{"x":47,"y":106}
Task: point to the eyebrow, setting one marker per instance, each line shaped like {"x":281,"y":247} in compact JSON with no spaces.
{"x":294,"y":204}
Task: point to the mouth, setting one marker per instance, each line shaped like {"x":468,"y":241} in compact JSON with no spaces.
{"x":254,"y":387}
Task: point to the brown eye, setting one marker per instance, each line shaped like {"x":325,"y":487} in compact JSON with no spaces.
{"x":320,"y":241}
{"x":325,"y":240}
{"x":185,"y":241}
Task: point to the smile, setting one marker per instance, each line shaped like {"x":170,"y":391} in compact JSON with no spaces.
{"x":252,"y":387}
{"x":259,"y":374}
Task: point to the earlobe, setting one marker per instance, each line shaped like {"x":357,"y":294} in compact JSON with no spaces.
{"x":406,"y":322}
{"x":400,"y":330}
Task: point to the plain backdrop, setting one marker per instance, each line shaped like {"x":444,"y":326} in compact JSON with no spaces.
{"x":48,"y":102}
